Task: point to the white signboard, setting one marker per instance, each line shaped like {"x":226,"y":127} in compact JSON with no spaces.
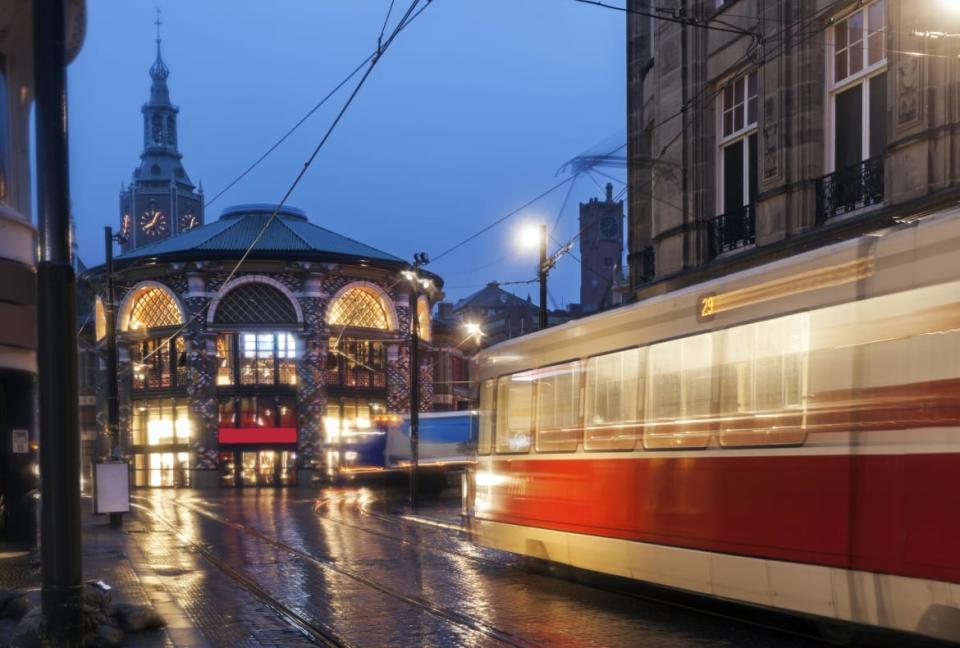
{"x":111,"y":487}
{"x":21,"y":442}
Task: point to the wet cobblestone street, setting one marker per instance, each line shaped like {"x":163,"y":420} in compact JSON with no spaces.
{"x":289,"y":567}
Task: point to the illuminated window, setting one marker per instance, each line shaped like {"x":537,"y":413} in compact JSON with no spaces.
{"x":152,"y":308}
{"x":358,"y":307}
{"x":514,"y":412}
{"x":613,"y":412}
{"x":161,"y":421}
{"x":558,"y":408}
{"x":159,"y":362}
{"x":678,"y":411}
{"x":225,"y":359}
{"x":762,"y":382}
{"x":99,"y":319}
{"x":357,"y":363}
{"x":267,"y":359}
{"x":488,"y":392}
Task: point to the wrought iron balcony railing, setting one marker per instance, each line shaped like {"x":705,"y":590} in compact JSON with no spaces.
{"x":850,"y":189}
{"x":733,"y":230}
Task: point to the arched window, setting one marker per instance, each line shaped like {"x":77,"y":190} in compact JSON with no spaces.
{"x":255,"y":303}
{"x":99,"y":320}
{"x":423,"y":319}
{"x":359,"y":307}
{"x":153,"y":307}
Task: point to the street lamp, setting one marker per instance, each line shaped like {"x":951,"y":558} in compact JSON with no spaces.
{"x":529,"y":237}
{"x":416,"y":284}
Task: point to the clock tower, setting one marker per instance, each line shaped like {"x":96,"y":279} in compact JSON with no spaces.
{"x":601,"y":250}
{"x":161,"y":201}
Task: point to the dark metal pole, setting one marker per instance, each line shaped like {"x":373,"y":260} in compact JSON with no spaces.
{"x":113,"y":404}
{"x":414,"y":393}
{"x":543,"y":276}
{"x":57,"y":344}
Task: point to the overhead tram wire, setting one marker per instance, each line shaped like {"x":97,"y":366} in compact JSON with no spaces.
{"x":407,"y":18}
{"x":290,"y":132}
{"x":699,"y":98}
{"x":690,"y":22}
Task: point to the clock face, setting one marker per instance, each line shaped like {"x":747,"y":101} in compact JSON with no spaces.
{"x":188,"y":220}
{"x":609,"y":228}
{"x":153,"y":222}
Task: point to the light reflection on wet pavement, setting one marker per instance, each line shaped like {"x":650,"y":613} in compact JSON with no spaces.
{"x":338,"y":560}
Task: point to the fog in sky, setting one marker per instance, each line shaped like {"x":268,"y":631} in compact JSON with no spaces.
{"x":468,"y":115}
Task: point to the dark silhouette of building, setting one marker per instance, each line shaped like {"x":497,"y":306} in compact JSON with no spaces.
{"x":161,"y":201}
{"x":601,"y":251}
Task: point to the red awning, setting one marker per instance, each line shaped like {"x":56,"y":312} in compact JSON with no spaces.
{"x":265,"y":435}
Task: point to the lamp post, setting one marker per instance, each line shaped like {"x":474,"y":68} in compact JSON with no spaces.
{"x":419,"y":259}
{"x":60,"y":548}
{"x":538,"y":236}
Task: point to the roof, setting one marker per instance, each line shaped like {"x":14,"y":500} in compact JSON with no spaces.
{"x":289,"y":235}
{"x":491,"y":296}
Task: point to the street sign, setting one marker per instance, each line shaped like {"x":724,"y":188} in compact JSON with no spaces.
{"x":21,"y":442}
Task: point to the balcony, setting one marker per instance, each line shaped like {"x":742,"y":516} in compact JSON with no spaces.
{"x":733,"y":230}
{"x":850,"y":189}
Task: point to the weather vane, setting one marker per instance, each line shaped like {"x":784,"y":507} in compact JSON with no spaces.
{"x":158,"y":22}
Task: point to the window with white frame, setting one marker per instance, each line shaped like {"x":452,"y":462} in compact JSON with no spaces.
{"x":857,"y":61}
{"x":738,"y":144}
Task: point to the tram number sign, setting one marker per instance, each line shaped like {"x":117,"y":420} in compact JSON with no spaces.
{"x":706,"y":307}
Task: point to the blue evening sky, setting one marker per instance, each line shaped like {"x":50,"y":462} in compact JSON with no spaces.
{"x":468,"y":115}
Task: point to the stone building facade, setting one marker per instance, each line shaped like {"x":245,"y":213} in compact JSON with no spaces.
{"x":254,"y":377}
{"x":760,"y":129}
{"x":601,"y":251}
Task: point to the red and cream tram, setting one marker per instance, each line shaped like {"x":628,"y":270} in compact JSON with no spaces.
{"x":787,"y":436}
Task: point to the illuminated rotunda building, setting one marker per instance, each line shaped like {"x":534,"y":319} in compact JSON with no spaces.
{"x":249,"y":376}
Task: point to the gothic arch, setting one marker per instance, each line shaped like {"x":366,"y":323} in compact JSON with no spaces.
{"x":150,"y":304}
{"x":251,"y":280}
{"x":375,"y":291}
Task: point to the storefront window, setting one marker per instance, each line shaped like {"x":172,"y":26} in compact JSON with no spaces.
{"x":225,"y":359}
{"x":159,"y":364}
{"x":357,"y":363}
{"x":346,"y":417}
{"x":161,"y":421}
{"x":265,"y":359}
{"x":259,"y":411}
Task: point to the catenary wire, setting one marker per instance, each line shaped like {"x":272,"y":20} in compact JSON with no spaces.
{"x":404,"y":21}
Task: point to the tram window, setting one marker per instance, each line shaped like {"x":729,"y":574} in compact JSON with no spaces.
{"x":762,"y":382}
{"x":678,"y":408}
{"x":613,"y":411}
{"x":487,"y":412}
{"x":514,"y":412}
{"x":558,"y":407}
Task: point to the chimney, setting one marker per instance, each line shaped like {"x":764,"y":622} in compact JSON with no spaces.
{"x":609,"y":192}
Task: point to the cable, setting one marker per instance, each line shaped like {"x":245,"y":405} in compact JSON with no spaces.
{"x":404,"y":21}
{"x":502,"y":219}
{"x":280,"y":141}
{"x":690,"y":22}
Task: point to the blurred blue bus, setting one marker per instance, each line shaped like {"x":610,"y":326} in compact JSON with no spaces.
{"x":448,"y":442}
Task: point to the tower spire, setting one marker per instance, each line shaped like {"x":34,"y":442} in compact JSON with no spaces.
{"x":159,"y":70}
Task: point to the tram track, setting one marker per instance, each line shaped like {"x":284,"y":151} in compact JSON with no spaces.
{"x":325,"y":635}
{"x":319,"y":633}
